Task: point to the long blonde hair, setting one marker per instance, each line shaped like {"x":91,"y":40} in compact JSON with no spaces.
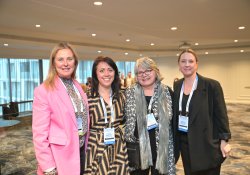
{"x":50,"y":80}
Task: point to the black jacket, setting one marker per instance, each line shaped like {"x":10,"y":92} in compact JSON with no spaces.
{"x":208,"y":123}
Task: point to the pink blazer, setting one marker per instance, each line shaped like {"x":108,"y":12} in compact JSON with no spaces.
{"x":55,"y":133}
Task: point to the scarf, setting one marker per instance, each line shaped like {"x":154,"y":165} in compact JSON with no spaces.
{"x":78,"y":101}
{"x":163,"y":120}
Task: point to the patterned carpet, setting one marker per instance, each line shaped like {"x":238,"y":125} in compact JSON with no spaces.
{"x":17,"y":154}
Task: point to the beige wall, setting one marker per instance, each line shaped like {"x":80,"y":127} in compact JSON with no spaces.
{"x":231,"y":70}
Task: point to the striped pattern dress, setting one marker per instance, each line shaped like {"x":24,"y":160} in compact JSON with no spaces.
{"x":104,"y":159}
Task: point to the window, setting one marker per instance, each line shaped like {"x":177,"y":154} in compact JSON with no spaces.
{"x":25,"y":67}
{"x":125,"y":67}
{"x":25,"y":76}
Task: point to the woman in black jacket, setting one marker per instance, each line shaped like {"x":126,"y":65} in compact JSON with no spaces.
{"x":201,"y":126}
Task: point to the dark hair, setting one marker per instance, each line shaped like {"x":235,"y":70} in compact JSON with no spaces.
{"x":115,"y":84}
{"x":188,"y":51}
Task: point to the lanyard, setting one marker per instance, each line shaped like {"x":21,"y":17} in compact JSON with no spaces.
{"x":105,"y":110}
{"x":190,"y":95}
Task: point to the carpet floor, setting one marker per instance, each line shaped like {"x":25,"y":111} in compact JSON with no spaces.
{"x":17,"y":153}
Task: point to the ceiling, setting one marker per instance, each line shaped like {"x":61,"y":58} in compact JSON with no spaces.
{"x":211,"y":23}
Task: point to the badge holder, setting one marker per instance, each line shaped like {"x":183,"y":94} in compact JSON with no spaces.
{"x":151,"y":123}
{"x":109,"y":136}
{"x":183,"y":123}
{"x":79,"y":125}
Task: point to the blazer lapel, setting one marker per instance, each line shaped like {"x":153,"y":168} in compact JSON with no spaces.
{"x":84,"y":98}
{"x":177,"y":94}
{"x":64,"y":98}
{"x":80,"y":90}
{"x":197,"y":99}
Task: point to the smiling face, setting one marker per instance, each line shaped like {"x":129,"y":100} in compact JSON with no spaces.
{"x":146,"y":77}
{"x":64,"y":63}
{"x":188,"y":64}
{"x":105,"y":74}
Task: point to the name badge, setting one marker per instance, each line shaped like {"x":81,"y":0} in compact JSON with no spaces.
{"x":109,"y":136}
{"x":79,"y":125}
{"x":183,"y":123}
{"x":152,"y":123}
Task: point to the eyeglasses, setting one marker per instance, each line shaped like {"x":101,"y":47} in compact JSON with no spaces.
{"x":146,"y":72}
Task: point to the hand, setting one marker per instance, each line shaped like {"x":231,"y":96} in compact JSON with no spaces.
{"x":51,"y":172}
{"x":225,"y":148}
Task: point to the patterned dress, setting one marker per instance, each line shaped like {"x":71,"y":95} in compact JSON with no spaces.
{"x":104,"y":159}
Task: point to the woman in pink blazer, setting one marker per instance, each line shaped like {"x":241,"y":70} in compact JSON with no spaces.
{"x":60,"y":117}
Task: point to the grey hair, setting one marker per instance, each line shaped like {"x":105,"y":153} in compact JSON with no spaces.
{"x":148,"y":63}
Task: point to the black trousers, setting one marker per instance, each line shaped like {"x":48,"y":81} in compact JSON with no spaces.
{"x":146,"y":172}
{"x":82,"y":159}
{"x":187,"y":162}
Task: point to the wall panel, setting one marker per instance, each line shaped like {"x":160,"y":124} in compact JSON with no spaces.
{"x":231,"y":70}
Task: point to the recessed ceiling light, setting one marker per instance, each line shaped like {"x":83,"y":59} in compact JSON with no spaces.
{"x":93,"y":34}
{"x":241,"y":27}
{"x":6,"y":45}
{"x":38,"y":25}
{"x":174,"y":28}
{"x":241,"y":50}
{"x":152,"y":44}
{"x":177,"y":54}
{"x":98,"y":3}
{"x":140,"y":55}
{"x":127,"y":40}
{"x":206,"y":53}
{"x":235,"y":40}
{"x":99,"y":51}
{"x":196,"y":44}
{"x":126,"y":53}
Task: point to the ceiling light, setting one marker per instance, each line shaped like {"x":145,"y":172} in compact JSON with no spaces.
{"x":241,"y":27}
{"x":177,"y":54}
{"x":140,"y":55}
{"x":99,"y":51}
{"x":173,"y":28}
{"x":93,"y":34}
{"x":241,"y":50}
{"x":98,"y":3}
{"x":152,"y":44}
{"x":38,"y":25}
{"x":206,"y":53}
{"x":196,"y":44}
{"x":126,"y":53}
{"x":127,"y":40}
{"x":235,"y":40}
{"x":6,"y":45}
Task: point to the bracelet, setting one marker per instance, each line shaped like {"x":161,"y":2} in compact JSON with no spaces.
{"x":52,"y":172}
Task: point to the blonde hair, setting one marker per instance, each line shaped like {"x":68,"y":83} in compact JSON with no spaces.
{"x":148,"y":63}
{"x":50,"y":80}
{"x":188,"y":51}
